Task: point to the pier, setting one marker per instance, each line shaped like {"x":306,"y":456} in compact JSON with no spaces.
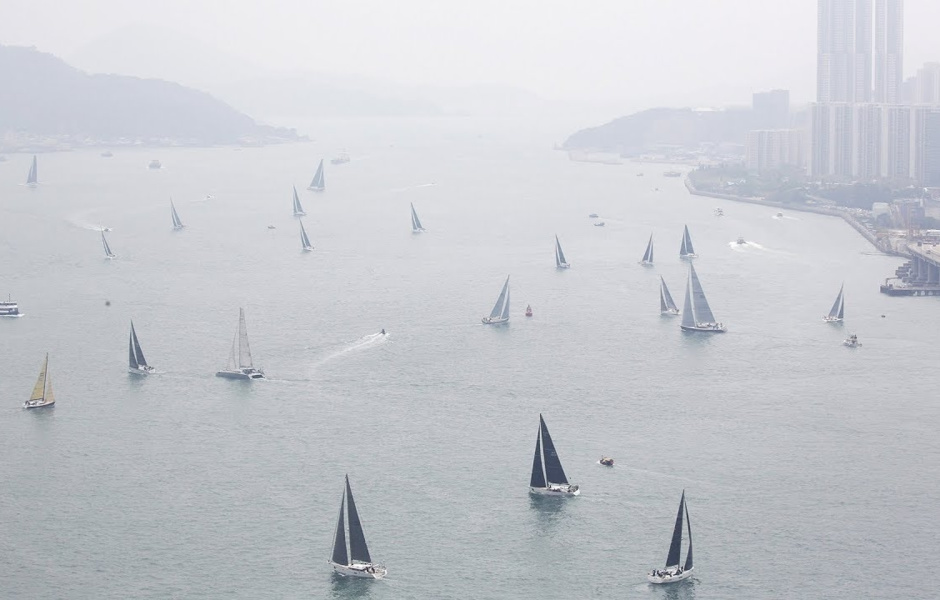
{"x":919,"y":276}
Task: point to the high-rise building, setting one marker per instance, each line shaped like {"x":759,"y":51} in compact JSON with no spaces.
{"x":771,"y":149}
{"x":844,"y":51}
{"x":889,"y":50}
{"x":867,"y":141}
{"x":833,"y":147}
{"x":925,"y":144}
{"x":896,"y":146}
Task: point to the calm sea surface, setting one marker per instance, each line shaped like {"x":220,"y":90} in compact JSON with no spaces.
{"x":811,"y":470}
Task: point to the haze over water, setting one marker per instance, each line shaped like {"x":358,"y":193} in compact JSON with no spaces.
{"x":811,"y":470}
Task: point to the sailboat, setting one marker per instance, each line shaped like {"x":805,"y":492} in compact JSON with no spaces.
{"x":673,"y":571}
{"x":136,"y":363}
{"x":648,"y":255}
{"x":696,"y":314}
{"x":42,"y":391}
{"x":298,"y":209}
{"x":304,"y":240}
{"x":356,"y":560}
{"x":837,"y":312}
{"x":560,"y":262}
{"x":667,"y":306}
{"x":319,"y":183}
{"x":239,"y":364}
{"x":550,"y":480}
{"x":500,"y":312}
{"x":686,"y":250}
{"x":107,"y":249}
{"x":32,"y":178}
{"x":177,"y":224}
{"x":415,"y":221}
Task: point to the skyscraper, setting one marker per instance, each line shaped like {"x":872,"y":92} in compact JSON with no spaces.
{"x":889,"y":50}
{"x":843,"y":51}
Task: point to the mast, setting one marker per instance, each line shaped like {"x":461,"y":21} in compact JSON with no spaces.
{"x":340,"y":556}
{"x":553,"y":471}
{"x":358,"y":550}
{"x":244,"y":352}
{"x":675,"y":548}
{"x":688,"y":313}
{"x":39,"y":390}
{"x":703,"y":313}
{"x":538,"y":475}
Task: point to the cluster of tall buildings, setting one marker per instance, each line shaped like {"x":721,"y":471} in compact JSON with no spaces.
{"x":868,"y":123}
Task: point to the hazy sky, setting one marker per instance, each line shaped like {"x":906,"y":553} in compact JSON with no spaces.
{"x":641,"y":52}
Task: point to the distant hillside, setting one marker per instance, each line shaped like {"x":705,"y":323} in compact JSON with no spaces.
{"x":646,"y":130}
{"x":41,"y":95}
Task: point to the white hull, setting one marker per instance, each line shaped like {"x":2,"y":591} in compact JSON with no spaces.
{"x":417,"y":231}
{"x":556,"y":490}
{"x":300,"y":214}
{"x":670,"y":312}
{"x":669,"y":577}
{"x":688,"y":256}
{"x":178,"y":227}
{"x":141,"y":370}
{"x":249,"y":374}
{"x":361,"y":570}
{"x":308,"y":248}
{"x":28,"y":404}
{"x":315,"y":189}
{"x":496,"y":321}
{"x":16,"y":316}
{"x":646,"y":263}
{"x":832,"y":319}
{"x":705,"y":327}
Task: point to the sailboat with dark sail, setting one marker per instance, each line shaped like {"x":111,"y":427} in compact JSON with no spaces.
{"x":32,"y":178}
{"x":298,"y":209}
{"x":667,"y":306}
{"x":177,"y":223}
{"x":647,"y":260}
{"x":696,"y":314}
{"x":240,"y":365}
{"x":304,"y":240}
{"x":318,"y":184}
{"x":686,"y":250}
{"x":107,"y":248}
{"x":837,"y":312}
{"x":500,"y":312}
{"x":354,"y":561}
{"x":560,"y":261}
{"x":415,"y":221}
{"x":675,"y":571}
{"x":42,"y":392}
{"x":136,"y":363}
{"x":548,"y":477}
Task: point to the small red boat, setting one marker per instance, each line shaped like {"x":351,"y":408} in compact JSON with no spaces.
{"x":528,"y":311}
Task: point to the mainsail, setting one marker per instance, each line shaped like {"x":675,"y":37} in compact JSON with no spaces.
{"x":107,"y":248}
{"x":686,"y":249}
{"x":688,"y":316}
{"x":666,"y":303}
{"x":358,"y":550}
{"x":702,"y":312}
{"x":553,"y":471}
{"x":177,"y":224}
{"x":304,"y":240}
{"x":244,"y":352}
{"x":318,"y":183}
{"x":675,"y":547}
{"x":559,"y":254}
{"x":33,"y":176}
{"x":415,"y":221}
{"x":501,"y":308}
{"x":298,"y":209}
{"x":135,"y":356}
{"x":838,"y":307}
{"x":648,"y":255}
{"x":39,"y":390}
{"x":538,"y":474}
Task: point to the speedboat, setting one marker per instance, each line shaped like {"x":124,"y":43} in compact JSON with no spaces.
{"x":606,"y":461}
{"x":599,"y":224}
{"x":592,"y":216}
{"x":851,"y":341}
{"x":719,"y":212}
{"x":740,"y":241}
{"x":779,"y":215}
{"x":155,"y":164}
{"x":271,"y":227}
{"x":528,"y":310}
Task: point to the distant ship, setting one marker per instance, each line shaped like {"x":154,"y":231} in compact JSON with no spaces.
{"x":341,"y":159}
{"x":298,"y":208}
{"x":240,"y":365}
{"x":9,"y":309}
{"x":106,"y":154}
{"x":155,"y":164}
{"x":318,"y":184}
{"x":304,"y":240}
{"x":32,"y":178}
{"x":647,"y":260}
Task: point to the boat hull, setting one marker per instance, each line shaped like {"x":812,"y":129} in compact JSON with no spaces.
{"x":308,"y":248}
{"x":671,"y":577}
{"x":315,"y":189}
{"x":247,"y":374}
{"x":712,"y":328}
{"x":556,"y":490}
{"x":12,"y":315}
{"x":646,"y":263}
{"x":360,"y":570}
{"x":496,"y":321}
{"x":688,"y":256}
{"x":563,"y":266}
{"x":27,"y":405}
{"x":141,"y":370}
{"x":670,"y":313}
{"x":300,"y":214}
{"x":832,"y":319}
{"x":849,"y":344}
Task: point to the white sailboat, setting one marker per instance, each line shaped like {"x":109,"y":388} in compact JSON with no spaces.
{"x":32,"y":178}
{"x":42,"y":392}
{"x":500,"y":312}
{"x":647,"y":260}
{"x":240,"y":365}
{"x":560,"y":261}
{"x":354,"y":561}
{"x":696,"y":314}
{"x":107,"y":248}
{"x":304,"y":240}
{"x":298,"y":209}
{"x":415,"y":221}
{"x":177,"y":223}
{"x":667,"y":306}
{"x":674,"y":571}
{"x":686,"y":250}
{"x":136,"y":363}
{"x":837,"y":312}
{"x":318,"y":184}
{"x":548,"y":477}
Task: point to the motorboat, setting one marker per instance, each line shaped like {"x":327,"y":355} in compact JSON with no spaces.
{"x":606,"y":461}
{"x":593,"y":216}
{"x":719,"y":212}
{"x":272,"y":227}
{"x":341,"y":159}
{"x":107,"y":154}
{"x":10,"y":309}
{"x":599,"y":224}
{"x":779,"y":215}
{"x":740,"y":241}
{"x":528,"y":310}
{"x":851,"y":341}
{"x":672,"y":174}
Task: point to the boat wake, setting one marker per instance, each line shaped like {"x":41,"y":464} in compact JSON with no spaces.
{"x":413,"y":187}
{"x":364,"y":343}
{"x":81,"y":223}
{"x":746,"y":246}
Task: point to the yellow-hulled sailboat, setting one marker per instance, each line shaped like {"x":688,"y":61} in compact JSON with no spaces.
{"x":42,"y":391}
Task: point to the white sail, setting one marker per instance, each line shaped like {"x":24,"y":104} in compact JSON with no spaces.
{"x":560,"y":260}
{"x":304,"y":240}
{"x":415,"y":221}
{"x":837,"y":312}
{"x":107,"y":248}
{"x":686,"y":249}
{"x":298,"y":208}
{"x":666,"y":303}
{"x":177,"y":223}
{"x":501,"y":308}
{"x":688,"y":314}
{"x":703,"y":313}
{"x":32,"y":178}
{"x":648,"y":255}
{"x":319,"y":182}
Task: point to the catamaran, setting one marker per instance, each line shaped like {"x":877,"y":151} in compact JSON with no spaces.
{"x":356,"y":560}
{"x":686,"y":250}
{"x":500,"y":312}
{"x":696,"y":314}
{"x":304,"y":240}
{"x":837,"y":312}
{"x":648,"y":255}
{"x":9,"y":308}
{"x":240,"y":365}
{"x":415,"y":221}
{"x":298,"y":209}
{"x":107,"y":249}
{"x":560,"y":261}
{"x":319,"y":183}
{"x":674,"y":571}
{"x":32,"y":178}
{"x":136,"y":363}
{"x":42,"y":391}
{"x":667,"y":306}
{"x":549,"y":480}
{"x":177,"y":224}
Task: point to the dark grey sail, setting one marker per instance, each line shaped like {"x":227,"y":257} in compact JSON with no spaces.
{"x":675,"y":548}
{"x":666,"y":303}
{"x":648,"y":255}
{"x":358,"y":550}
{"x":553,"y":471}
{"x":538,"y":475}
{"x":340,"y":556}
{"x":135,"y":354}
{"x":688,"y":522}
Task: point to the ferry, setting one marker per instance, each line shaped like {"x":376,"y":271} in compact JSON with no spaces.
{"x":9,"y":309}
